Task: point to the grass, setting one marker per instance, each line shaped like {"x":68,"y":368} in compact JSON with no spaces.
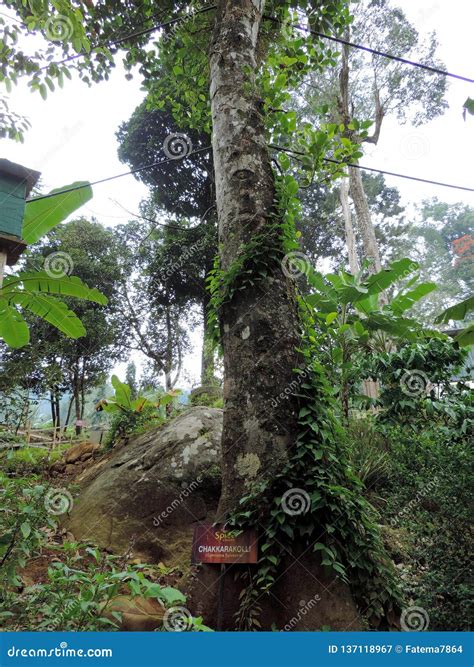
{"x":30,"y":458}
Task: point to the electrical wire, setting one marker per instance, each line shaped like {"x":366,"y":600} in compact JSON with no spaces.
{"x":298,"y":26}
{"x":367,"y":49}
{"x":111,"y":178}
{"x":378,"y":171}
{"x":278,"y":148}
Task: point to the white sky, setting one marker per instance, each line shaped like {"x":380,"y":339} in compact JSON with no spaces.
{"x":73,"y":131}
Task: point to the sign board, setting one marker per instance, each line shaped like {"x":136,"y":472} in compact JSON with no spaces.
{"x":215,"y":544}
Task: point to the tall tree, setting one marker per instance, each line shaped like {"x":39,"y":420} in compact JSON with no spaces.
{"x":440,"y":239}
{"x":237,"y":85}
{"x":74,"y":366}
{"x":359,"y":90}
{"x":180,"y":190}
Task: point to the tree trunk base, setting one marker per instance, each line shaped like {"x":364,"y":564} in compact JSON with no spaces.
{"x":306,"y":596}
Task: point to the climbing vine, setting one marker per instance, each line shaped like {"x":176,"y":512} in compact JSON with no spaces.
{"x":338,"y":524}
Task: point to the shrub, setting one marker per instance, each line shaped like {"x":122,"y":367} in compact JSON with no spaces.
{"x":132,"y":423}
{"x":429,"y":495}
{"x":29,"y":460}
{"x":81,"y":580}
{"x":368,"y":454}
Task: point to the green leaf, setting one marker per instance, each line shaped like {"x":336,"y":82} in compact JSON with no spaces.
{"x":41,"y":282}
{"x":405,"y":301}
{"x":367,"y":305}
{"x":466,"y":337}
{"x":397,"y":270}
{"x":41,"y":215}
{"x":13,"y":328}
{"x":321,"y":304}
{"x":396,"y":326}
{"x":52,"y":310}
{"x":25,"y":529}
{"x":171,"y":595}
{"x":457,"y":312}
{"x":122,"y":393}
{"x":352,"y":294}
{"x":330,"y":318}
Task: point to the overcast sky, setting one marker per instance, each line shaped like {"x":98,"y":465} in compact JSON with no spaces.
{"x":73,"y":131}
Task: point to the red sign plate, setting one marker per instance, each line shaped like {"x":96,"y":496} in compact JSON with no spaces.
{"x":214,"y":544}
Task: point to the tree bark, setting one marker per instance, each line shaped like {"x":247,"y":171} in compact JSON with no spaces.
{"x":68,"y":415}
{"x":260,"y":324}
{"x":57,"y":399}
{"x":364,"y":220}
{"x":77,"y":400}
{"x":207,"y":355}
{"x":348,"y":226}
{"x":169,"y":350}
{"x":53,"y":407}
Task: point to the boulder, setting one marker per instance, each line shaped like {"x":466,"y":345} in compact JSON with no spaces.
{"x":137,"y":614}
{"x":145,"y":496}
{"x":79,"y":451}
{"x":148,"y":492}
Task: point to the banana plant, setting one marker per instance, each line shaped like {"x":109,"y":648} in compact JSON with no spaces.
{"x":123,"y":401}
{"x":38,"y":292}
{"x":459,"y":312}
{"x":353,"y":317}
{"x":353,"y":303}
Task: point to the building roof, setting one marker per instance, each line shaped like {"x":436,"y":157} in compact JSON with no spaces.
{"x":23,"y":174}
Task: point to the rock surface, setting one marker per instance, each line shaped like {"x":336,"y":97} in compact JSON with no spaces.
{"x":148,"y":493}
{"x":80,"y":452}
{"x":137,"y":614}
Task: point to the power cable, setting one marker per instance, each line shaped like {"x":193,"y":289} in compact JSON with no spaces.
{"x":367,"y":49}
{"x":111,"y":178}
{"x":378,"y":171}
{"x":278,"y":148}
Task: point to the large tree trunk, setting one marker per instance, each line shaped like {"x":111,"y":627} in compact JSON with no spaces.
{"x":53,"y":407}
{"x":77,"y":400}
{"x":260,"y":331}
{"x":169,"y":350}
{"x":260,"y":324}
{"x":364,"y":220}
{"x":348,"y":226}
{"x":68,"y":415}
{"x":207,"y":355}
